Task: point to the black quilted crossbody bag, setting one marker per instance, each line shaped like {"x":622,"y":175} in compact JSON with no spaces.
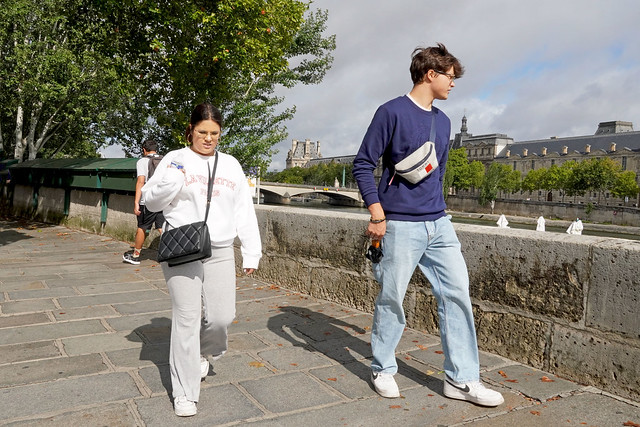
{"x":189,"y":242}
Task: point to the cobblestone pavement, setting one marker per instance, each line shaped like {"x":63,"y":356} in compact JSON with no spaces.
{"x":84,"y":342}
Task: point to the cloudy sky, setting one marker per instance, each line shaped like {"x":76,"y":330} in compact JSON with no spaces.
{"x":534,"y":69}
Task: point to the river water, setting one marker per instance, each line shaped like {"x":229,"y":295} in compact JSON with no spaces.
{"x":318,"y":204}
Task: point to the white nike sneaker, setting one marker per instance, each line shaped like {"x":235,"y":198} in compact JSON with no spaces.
{"x":473,"y":391}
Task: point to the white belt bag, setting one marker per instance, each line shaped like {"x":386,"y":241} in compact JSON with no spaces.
{"x":419,"y":164}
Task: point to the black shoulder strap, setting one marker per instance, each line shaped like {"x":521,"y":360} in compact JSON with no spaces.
{"x":212,"y":178}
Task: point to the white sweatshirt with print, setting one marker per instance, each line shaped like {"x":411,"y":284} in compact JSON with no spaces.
{"x":182,"y":197}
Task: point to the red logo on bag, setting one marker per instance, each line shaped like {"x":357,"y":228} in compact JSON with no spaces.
{"x":428,"y":168}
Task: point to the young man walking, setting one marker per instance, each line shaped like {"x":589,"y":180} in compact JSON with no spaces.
{"x":146,"y":219}
{"x":408,"y":216}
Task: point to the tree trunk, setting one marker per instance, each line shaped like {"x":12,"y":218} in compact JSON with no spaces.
{"x":31,"y":136}
{"x":1,"y":142}
{"x":20,"y":142}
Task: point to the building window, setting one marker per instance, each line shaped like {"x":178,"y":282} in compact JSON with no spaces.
{"x":533,"y":164}
{"x":553,"y":162}
{"x":624,"y":163}
{"x":514,"y":165}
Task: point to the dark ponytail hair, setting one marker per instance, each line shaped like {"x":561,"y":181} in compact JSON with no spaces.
{"x":204,"y":111}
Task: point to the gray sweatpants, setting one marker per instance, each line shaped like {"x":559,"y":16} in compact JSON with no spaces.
{"x":203,"y":300}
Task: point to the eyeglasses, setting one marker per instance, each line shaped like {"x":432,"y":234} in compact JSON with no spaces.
{"x":203,"y":134}
{"x":451,"y":77}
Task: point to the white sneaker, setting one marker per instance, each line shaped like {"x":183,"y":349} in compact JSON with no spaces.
{"x":473,"y":391}
{"x":204,"y":367}
{"x":385,"y":385}
{"x":184,"y":407}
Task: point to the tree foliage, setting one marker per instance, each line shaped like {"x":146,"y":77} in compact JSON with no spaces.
{"x":232,"y":53}
{"x":577,"y":178}
{"x":323,"y":174}
{"x":460,"y":174}
{"x":56,"y":78}
{"x":499,"y":177}
{"x":75,"y":74}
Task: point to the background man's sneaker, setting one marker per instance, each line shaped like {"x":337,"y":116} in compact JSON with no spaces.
{"x":184,"y":407}
{"x":385,"y":385}
{"x":473,"y":391}
{"x":204,"y":367}
{"x":128,"y":257}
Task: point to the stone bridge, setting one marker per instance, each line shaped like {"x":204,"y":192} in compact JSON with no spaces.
{"x":276,"y":192}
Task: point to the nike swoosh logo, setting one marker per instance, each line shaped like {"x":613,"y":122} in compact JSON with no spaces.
{"x":464,"y":389}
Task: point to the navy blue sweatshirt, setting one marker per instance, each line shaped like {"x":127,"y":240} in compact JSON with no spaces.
{"x":398,"y":128}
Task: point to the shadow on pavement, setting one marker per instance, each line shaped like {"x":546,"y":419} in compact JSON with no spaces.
{"x":340,"y":341}
{"x":155,"y":346}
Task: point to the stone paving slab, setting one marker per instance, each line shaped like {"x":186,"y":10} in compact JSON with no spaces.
{"x":289,"y":392}
{"x":20,"y":284}
{"x":93,"y":312}
{"x":140,"y":357}
{"x":23,"y":319}
{"x":42,"y":293}
{"x":50,"y":369}
{"x":110,"y":415}
{"x":102,"y":342}
{"x":65,"y":395}
{"x":121,"y":297}
{"x":15,"y":307}
{"x":28,"y":351}
{"x":46,"y":332}
{"x":532,"y":382}
{"x":151,"y":306}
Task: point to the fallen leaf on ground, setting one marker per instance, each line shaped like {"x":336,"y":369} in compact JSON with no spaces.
{"x":439,"y":352}
{"x":256,"y":364}
{"x":332,"y":379}
{"x":502,"y":374}
{"x":535,"y":413}
{"x":631,"y":424}
{"x":395,"y":407}
{"x":511,"y":381}
{"x":546,"y":379}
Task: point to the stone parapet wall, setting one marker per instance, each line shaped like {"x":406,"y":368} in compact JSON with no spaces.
{"x":565,"y":304}
{"x":562,"y":303}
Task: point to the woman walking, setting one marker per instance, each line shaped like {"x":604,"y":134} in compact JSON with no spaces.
{"x":203,"y":293}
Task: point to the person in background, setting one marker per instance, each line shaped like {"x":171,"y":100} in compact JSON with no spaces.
{"x":203,"y":293}
{"x":415,"y":230}
{"x":145,"y":168}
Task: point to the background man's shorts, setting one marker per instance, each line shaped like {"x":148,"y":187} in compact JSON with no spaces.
{"x":146,"y":219}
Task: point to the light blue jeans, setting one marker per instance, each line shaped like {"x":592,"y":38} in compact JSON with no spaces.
{"x":434,"y":247}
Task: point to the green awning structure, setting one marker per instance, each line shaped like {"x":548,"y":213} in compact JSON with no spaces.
{"x":104,"y":174}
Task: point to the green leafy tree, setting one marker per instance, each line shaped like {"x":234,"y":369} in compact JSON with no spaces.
{"x":232,"y":53}
{"x":595,"y":175}
{"x":460,"y":174}
{"x":499,"y":177}
{"x":625,"y":185}
{"x":565,"y":178}
{"x":533,"y":180}
{"x":57,"y":78}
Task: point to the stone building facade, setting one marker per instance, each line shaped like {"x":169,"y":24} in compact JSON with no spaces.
{"x":302,"y":152}
{"x":616,"y":140}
